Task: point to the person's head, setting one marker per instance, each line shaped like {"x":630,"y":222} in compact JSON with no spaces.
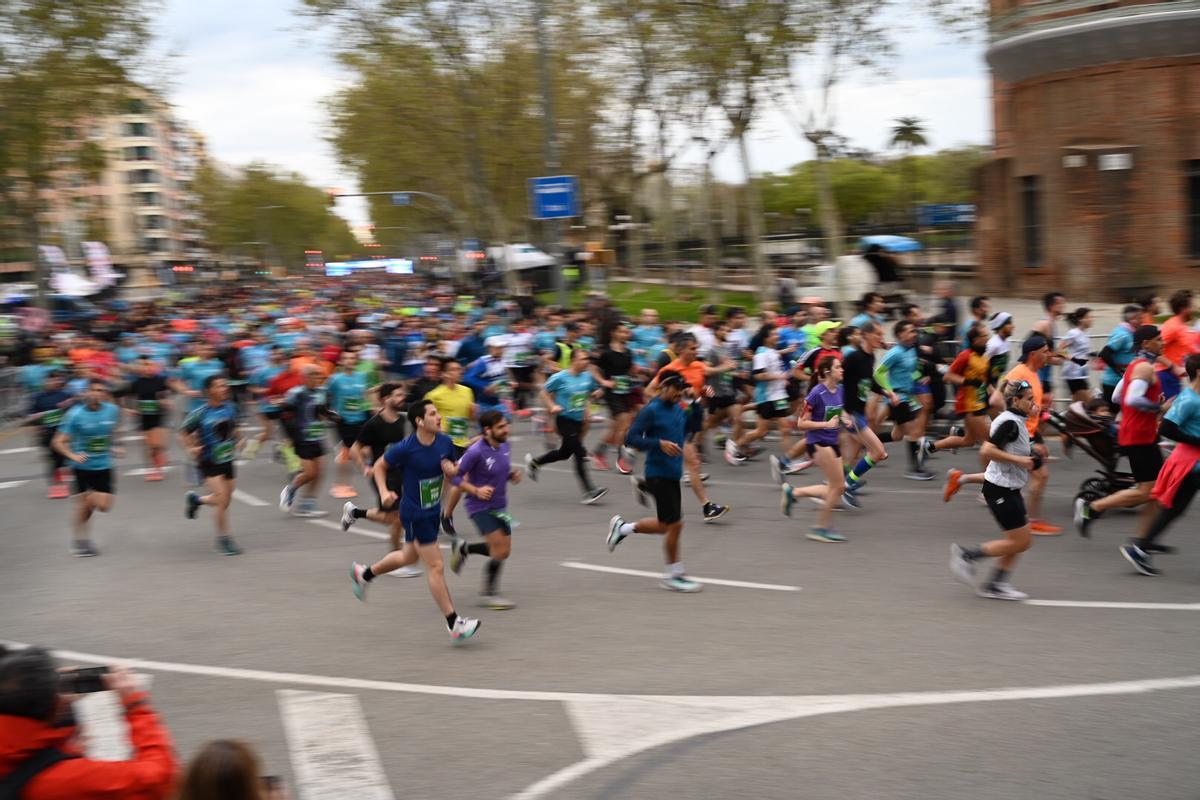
{"x":494,"y":426}
{"x":216,"y":389}
{"x":871,"y":302}
{"x":829,"y":369}
{"x":1191,"y":366}
{"x":391,"y":396}
{"x":143,"y":367}
{"x":944,"y":289}
{"x":981,"y":306}
{"x":1183,"y":304}
{"x":572,"y":331}
{"x":817,"y":313}
{"x":1131,"y":313}
{"x":97,"y":391}
{"x":348,"y":360}
{"x":671,"y":386}
{"x":977,"y":337}
{"x":495,"y":346}
{"x":685,"y":348}
{"x":1148,"y":338}
{"x":313,"y":377}
{"x":1080,"y":318}
{"x":767,"y":336}
{"x":1002,"y":324}
{"x":799,"y":317}
{"x":451,"y":372}
{"x":205,"y":351}
{"x":29,"y":683}
{"x":54,"y":380}
{"x":1054,"y":303}
{"x":223,"y":770}
{"x":423,"y":416}
{"x":735,"y":316}
{"x":433,"y":368}
{"x":649,"y":317}
{"x":278,"y":356}
{"x":1151,"y":303}
{"x":1018,"y":396}
{"x":579,"y":360}
{"x":849,"y":336}
{"x":905,"y":332}
{"x":1035,"y":351}
{"x":827,"y":332}
{"x":911,"y":312}
{"x":708,"y":315}
{"x":872,"y":335}
{"x":621,"y":332}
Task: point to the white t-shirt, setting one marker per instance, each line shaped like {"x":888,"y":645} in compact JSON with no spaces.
{"x":520,"y":351}
{"x":767,"y":360}
{"x":1076,"y":343}
{"x":705,"y":339}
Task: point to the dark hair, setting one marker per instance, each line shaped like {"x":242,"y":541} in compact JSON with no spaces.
{"x":825,"y":366}
{"x":211,"y":379}
{"x":1147,"y":300}
{"x":103,"y":384}
{"x":870,"y":326}
{"x":223,"y":770}
{"x":386,"y":389}
{"x":978,"y":302}
{"x":901,"y":326}
{"x":868,"y":298}
{"x":1180,"y":300}
{"x":907,"y":309}
{"x":978,"y":329}
{"x":416,"y":411}
{"x":1077,"y":315}
{"x":760,"y":338}
{"x":734,"y":311}
{"x":1050,"y":298}
{"x":446,"y":361}
{"x":29,"y":684}
{"x":1192,"y":366}
{"x":671,"y":378}
{"x":490,"y":419}
{"x":1132,"y":308}
{"x":844,"y":334}
{"x":571,"y":327}
{"x":441,"y":360}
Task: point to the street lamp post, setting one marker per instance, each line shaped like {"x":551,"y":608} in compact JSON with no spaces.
{"x":551,"y":146}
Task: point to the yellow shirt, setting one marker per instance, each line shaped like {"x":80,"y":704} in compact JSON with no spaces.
{"x":454,"y":404}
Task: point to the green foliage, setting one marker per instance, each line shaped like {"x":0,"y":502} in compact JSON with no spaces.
{"x":631,"y":298}
{"x":274,"y":208}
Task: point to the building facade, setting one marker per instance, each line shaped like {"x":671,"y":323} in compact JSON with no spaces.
{"x":1093,"y":184}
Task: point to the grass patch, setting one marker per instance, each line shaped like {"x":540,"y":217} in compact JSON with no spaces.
{"x":672,"y":303}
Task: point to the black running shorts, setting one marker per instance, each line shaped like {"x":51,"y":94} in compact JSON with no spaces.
{"x":94,"y":480}
{"x":667,"y":499}
{"x":1007,"y":506}
{"x":1145,"y":461}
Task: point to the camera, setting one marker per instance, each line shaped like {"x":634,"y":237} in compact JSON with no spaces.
{"x":83,"y":680}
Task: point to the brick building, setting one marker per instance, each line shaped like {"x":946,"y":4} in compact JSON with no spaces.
{"x":1093,"y":185}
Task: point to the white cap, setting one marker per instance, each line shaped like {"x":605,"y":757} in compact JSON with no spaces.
{"x":496,"y":341}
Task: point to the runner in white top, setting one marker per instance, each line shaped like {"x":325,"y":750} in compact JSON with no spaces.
{"x":1077,"y":349}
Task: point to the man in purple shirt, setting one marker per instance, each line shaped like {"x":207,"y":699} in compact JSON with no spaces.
{"x":484,"y":472}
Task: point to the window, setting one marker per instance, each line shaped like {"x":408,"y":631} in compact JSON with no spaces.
{"x":152,"y":222}
{"x":137,"y":107}
{"x":140,"y":153}
{"x":137,"y":129}
{"x":143,"y":176}
{"x":148,"y":198}
{"x":1031,"y":219}
{"x":1193,"y":208}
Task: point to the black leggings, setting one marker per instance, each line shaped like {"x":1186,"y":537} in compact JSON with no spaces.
{"x":1183,"y":496}
{"x":54,"y":459}
{"x":572,"y":445}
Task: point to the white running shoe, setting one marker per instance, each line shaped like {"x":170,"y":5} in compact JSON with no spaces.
{"x":348,"y":517}
{"x":797,"y":466}
{"x":1001,"y":591}
{"x":531,"y":467}
{"x":776,"y":469}
{"x":679,"y":583}
{"x":408,"y":572}
{"x":962,"y":567}
{"x":615,"y":536}
{"x":464,"y":628}
{"x":732,"y":455}
{"x":358,"y":584}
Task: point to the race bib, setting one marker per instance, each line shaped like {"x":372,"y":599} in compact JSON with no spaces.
{"x":781,"y":404}
{"x":354,"y":404}
{"x":622,"y":384}
{"x":502,"y":388}
{"x":97,"y":445}
{"x":506,"y":518}
{"x":832,"y":412}
{"x":578,"y":401}
{"x":430,"y":492}
{"x":223,"y":452}
{"x":313,"y":431}
{"x":457,"y":426}
{"x":525,"y":357}
{"x":864,"y":389}
{"x":52,"y":417}
{"x":147,"y":407}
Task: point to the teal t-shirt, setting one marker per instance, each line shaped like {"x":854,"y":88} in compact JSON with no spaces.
{"x":91,"y":432}
{"x":571,"y":391}
{"x":347,"y":396}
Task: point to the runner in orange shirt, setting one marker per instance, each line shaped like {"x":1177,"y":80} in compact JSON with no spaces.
{"x":1179,"y":341}
{"x":1035,"y":352}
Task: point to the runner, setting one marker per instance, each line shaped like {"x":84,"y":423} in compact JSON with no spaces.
{"x":425,"y":459}
{"x":1034,"y":353}
{"x":210,"y":436}
{"x":823,"y":418}
{"x":305,"y":407}
{"x":858,"y":378}
{"x":828,"y":333}
{"x":1078,"y":350}
{"x":1140,"y":396}
{"x":85,"y":438}
{"x":456,"y":406}
{"x":1011,"y":459}
{"x":895,"y":375}
{"x":148,"y":394}
{"x":1118,"y":352}
{"x":565,"y":395}
{"x":377,"y":434}
{"x":723,"y":405}
{"x":659,"y":431}
{"x":969,"y":372}
{"x":347,"y":392}
{"x":998,"y":354}
{"x":268,"y":407}
{"x":770,"y":397}
{"x":488,"y":377}
{"x":1179,"y":479}
{"x":1179,"y":340}
{"x":485,"y":472}
{"x":47,"y":410}
{"x":194,"y":371}
{"x":612,"y":370}
{"x":1055,"y":303}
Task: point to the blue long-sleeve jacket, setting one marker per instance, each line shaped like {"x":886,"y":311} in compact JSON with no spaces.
{"x":657,"y":421}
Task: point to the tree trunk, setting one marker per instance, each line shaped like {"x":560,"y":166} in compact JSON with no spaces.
{"x":667,"y":208}
{"x":40,"y":276}
{"x":712,"y":241}
{"x":831,"y":223}
{"x":633,"y":243}
{"x":754,"y":223}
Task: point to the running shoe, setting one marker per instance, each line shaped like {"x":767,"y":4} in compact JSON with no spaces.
{"x":786,"y":501}
{"x":1155,"y":547}
{"x":600,"y":462}
{"x":687,"y":478}
{"x":820,"y":501}
{"x":226,"y":546}
{"x":593,"y":497}
{"x":358,"y":585}
{"x":797,"y":466}
{"x":84,"y":549}
{"x":825,"y":535}
{"x":714,"y":511}
{"x":953,"y":484}
{"x":1042,"y":528}
{"x":191,"y":504}
{"x":531,"y":467}
{"x":448,"y":526}
{"x":287,"y":498}
{"x":615,"y":536}
{"x":251,"y":449}
{"x":924,"y":450}
{"x":752,"y":451}
{"x":408,"y":572}
{"x":732,"y":455}
{"x":458,"y":554}
{"x":957,"y":430}
{"x":1083,"y":517}
{"x":348,"y":517}
{"x":308,"y":509}
{"x":851,"y":502}
{"x":680,"y":583}
{"x":58,"y":491}
{"x":495,"y":602}
{"x":962,"y":567}
{"x":639,"y":490}
{"x":776,"y":468}
{"x":1140,"y":560}
{"x":1002,"y":590}
{"x":624,"y":462}
{"x":464,"y":628}
{"x":919,"y":474}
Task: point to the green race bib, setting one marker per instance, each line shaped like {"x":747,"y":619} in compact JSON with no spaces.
{"x":506,"y":518}
{"x":431,"y":492}
{"x":314,"y":431}
{"x":578,"y":401}
{"x":354,"y":404}
{"x":223,"y":452}
{"x":147,"y":407}
{"x":52,"y":417}
{"x":832,"y":412}
{"x":621,"y":384}
{"x":781,"y":404}
{"x":864,"y":389}
{"x":98,"y":445}
{"x":457,"y":427}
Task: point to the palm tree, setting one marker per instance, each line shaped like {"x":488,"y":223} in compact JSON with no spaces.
{"x":908,"y":134}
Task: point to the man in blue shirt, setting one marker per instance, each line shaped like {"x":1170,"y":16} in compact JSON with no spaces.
{"x":305,"y":408}
{"x":1118,"y":352}
{"x":210,"y":436}
{"x":194,"y":372}
{"x":347,"y":390}
{"x":566,"y":395}
{"x":86,"y":439}
{"x":268,"y":409}
{"x":47,"y":410}
{"x":659,"y":430}
{"x":425,"y":459}
{"x":896,"y":375}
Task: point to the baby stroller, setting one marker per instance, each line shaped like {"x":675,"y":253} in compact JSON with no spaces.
{"x":1096,"y":436}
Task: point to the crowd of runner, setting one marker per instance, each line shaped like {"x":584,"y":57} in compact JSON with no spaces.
{"x":414,"y":390}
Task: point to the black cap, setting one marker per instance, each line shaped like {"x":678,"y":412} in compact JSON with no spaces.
{"x":672,"y":379}
{"x":1144,"y":334}
{"x":1033,"y":344}
{"x":708,"y":309}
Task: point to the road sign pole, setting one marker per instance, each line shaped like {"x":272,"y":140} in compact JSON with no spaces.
{"x":551,"y":149}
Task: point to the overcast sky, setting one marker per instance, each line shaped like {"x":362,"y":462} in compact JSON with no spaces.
{"x":251,"y":79}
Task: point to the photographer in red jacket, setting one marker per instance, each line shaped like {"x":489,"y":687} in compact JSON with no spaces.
{"x":39,"y":757}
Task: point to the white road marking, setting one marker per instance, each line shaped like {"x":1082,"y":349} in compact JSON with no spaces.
{"x":249,"y":499}
{"x":144,"y":470}
{"x":14,"y":450}
{"x":333,"y":754}
{"x":1102,"y":604}
{"x":727,"y":712}
{"x":775,"y":587}
{"x":12,"y":484}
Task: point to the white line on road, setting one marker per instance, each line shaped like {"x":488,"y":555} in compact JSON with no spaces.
{"x":144,"y":470}
{"x":333,"y":754}
{"x":249,"y":499}
{"x":775,"y":587}
{"x":14,"y":450}
{"x":12,"y":484}
{"x":1102,"y":604}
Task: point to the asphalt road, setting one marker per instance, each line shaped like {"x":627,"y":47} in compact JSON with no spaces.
{"x":857,"y":670}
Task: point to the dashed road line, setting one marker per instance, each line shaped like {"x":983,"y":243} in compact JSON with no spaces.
{"x":333,"y":754}
{"x":774,"y":587}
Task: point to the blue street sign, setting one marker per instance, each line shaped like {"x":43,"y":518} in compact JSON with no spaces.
{"x":554,"y":197}
{"x":932,"y":215}
{"x":401,"y":199}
